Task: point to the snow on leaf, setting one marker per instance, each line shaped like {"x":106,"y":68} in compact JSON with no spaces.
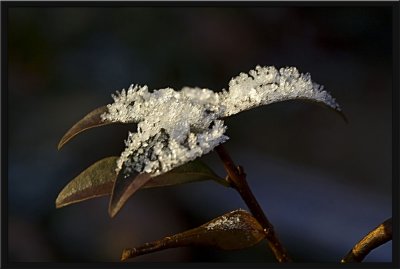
{"x":175,"y":127}
{"x":266,"y":85}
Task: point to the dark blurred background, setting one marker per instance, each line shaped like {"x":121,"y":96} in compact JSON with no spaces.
{"x":323,"y":183}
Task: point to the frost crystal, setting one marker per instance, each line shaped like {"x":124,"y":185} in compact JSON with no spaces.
{"x":267,"y":85}
{"x":231,"y":222}
{"x":175,"y":127}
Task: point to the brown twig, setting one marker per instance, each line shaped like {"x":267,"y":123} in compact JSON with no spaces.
{"x":129,"y":253}
{"x":377,"y":237}
{"x":237,"y":178}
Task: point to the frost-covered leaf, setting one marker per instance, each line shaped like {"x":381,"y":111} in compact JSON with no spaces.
{"x":175,"y":127}
{"x":97,"y":180}
{"x":91,"y":120}
{"x":266,"y":85}
{"x":235,"y":230}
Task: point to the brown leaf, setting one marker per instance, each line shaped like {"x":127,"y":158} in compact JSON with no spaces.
{"x":235,"y":230}
{"x":97,"y":180}
{"x":124,"y":187}
{"x":91,"y":120}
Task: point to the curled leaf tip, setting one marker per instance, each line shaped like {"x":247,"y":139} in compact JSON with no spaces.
{"x":57,"y":203}
{"x":344,"y":117}
{"x":91,"y":120}
{"x":59,"y":146}
{"x":124,"y":187}
{"x":112,"y":212}
{"x":96,"y":180}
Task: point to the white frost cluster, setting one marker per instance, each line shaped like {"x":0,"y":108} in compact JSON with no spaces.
{"x":265,"y":85}
{"x":175,"y":127}
{"x":230,"y":222}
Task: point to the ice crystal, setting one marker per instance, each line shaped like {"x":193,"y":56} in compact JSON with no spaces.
{"x":175,"y":127}
{"x":266,"y":85}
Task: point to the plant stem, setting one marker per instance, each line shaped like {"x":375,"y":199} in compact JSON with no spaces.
{"x":238,"y":180}
{"x":374,"y":239}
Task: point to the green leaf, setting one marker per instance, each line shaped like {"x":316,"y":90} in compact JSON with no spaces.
{"x":124,"y":187}
{"x":91,"y":120}
{"x":97,"y":180}
{"x":235,"y":230}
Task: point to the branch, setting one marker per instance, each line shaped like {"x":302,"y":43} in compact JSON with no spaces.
{"x":237,"y":178}
{"x":377,"y":237}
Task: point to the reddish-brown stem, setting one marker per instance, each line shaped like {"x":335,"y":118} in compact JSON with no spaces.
{"x":374,"y":239}
{"x":238,"y":180}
